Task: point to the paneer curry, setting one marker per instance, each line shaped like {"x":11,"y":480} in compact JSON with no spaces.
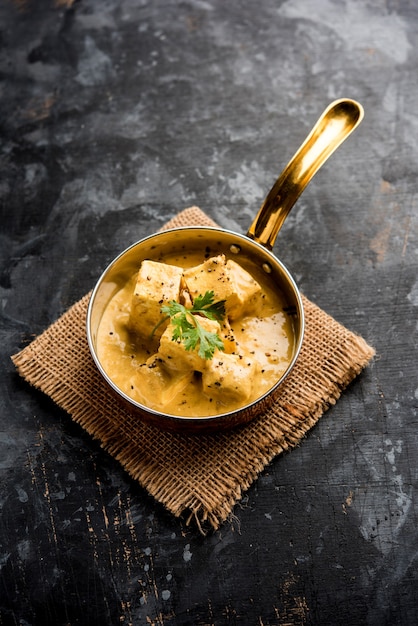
{"x":192,"y":362}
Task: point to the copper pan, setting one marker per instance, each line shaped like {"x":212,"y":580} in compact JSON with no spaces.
{"x":339,"y":119}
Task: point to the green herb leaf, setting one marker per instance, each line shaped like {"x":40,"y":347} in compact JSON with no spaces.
{"x":205,"y":305}
{"x":187,"y":328}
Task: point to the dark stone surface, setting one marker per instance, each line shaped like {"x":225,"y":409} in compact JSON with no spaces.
{"x":116,"y":115}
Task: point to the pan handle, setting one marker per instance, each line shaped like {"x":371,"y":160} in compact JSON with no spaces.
{"x":336,"y":123}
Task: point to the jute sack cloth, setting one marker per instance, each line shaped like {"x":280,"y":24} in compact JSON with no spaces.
{"x":200,"y":477}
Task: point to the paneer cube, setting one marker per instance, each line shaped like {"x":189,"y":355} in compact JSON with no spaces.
{"x":211,"y":275}
{"x":157,"y":284}
{"x":174,"y":354}
{"x":228,"y":377}
{"x":247,"y":291}
{"x":229,"y":282}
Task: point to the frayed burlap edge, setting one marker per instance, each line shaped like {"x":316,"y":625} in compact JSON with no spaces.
{"x":205,"y":475}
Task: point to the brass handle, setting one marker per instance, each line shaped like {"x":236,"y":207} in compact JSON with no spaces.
{"x":336,"y":123}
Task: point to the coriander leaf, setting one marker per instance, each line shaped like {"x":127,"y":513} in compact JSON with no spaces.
{"x":201,"y":301}
{"x":172,"y":308}
{"x":186,"y":325}
{"x":208,"y":343}
{"x":190,"y":339}
{"x":206,"y":306}
{"x":181,"y":325}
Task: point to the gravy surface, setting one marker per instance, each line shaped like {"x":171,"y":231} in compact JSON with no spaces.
{"x":266,"y":336}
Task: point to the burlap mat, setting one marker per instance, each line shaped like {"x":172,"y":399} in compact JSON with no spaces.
{"x":200,"y":476}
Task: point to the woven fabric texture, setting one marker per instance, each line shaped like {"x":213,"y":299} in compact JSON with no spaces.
{"x":201,"y":477}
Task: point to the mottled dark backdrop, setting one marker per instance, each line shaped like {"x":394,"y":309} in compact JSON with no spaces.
{"x":114,"y":115}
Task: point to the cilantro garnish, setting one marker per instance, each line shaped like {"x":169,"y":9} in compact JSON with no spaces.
{"x":189,"y":330}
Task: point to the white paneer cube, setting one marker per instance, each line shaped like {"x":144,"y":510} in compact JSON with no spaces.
{"x":211,"y":275}
{"x":228,"y":377}
{"x":229,"y":282}
{"x":157,"y":284}
{"x":247,"y":291}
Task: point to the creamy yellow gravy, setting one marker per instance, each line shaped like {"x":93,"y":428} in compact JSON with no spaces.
{"x":268,"y":336}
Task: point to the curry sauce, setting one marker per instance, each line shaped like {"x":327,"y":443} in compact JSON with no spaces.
{"x":156,"y":371}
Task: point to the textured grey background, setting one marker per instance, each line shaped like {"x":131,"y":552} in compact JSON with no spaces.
{"x":113,"y":117}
